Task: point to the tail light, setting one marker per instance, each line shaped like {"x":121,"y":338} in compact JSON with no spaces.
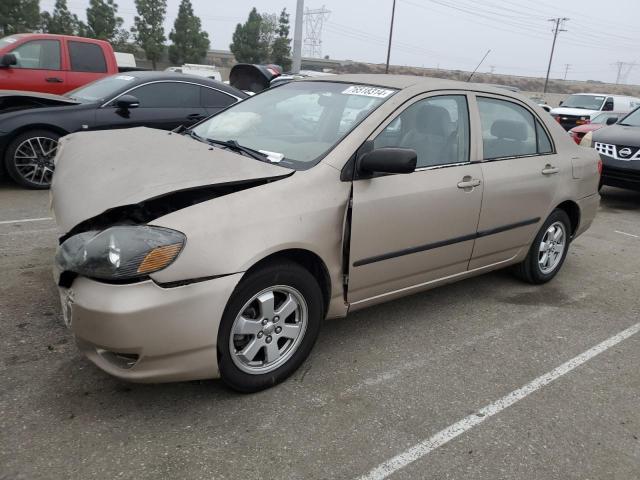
{"x":600,"y":166}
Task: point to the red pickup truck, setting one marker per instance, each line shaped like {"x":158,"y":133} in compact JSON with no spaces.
{"x":53,"y":63}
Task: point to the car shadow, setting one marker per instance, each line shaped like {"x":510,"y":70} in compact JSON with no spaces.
{"x":619,"y":199}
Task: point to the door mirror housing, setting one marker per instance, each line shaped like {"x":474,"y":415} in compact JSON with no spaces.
{"x":388,"y":160}
{"x":8,"y":59}
{"x":126,"y":102}
{"x":560,"y":103}
{"x":612,"y":120}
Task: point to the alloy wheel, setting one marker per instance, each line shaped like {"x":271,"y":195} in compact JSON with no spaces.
{"x":268,"y":330}
{"x":33,"y":160}
{"x":552,"y":247}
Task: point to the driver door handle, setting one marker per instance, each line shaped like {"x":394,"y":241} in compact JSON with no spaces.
{"x":468,"y":183}
{"x":53,"y":80}
{"x":550,"y":169}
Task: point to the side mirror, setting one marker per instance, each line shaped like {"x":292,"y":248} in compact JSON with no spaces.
{"x":8,"y":59}
{"x":612,"y":120}
{"x":560,"y":104}
{"x":388,"y":160}
{"x":125,"y":102}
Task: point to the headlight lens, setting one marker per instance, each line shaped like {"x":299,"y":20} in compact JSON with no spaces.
{"x":120,"y":253}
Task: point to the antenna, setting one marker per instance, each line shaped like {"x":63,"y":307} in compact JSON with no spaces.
{"x":313,"y":22}
{"x":478,"y":66}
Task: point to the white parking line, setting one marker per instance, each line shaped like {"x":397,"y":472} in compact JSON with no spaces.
{"x":25,"y":220}
{"x":444,"y":436}
{"x":627,"y":234}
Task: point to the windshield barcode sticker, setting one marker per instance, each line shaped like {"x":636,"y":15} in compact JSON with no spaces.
{"x":366,"y":91}
{"x":126,"y":78}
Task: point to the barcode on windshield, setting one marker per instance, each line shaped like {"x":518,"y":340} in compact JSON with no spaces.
{"x":366,"y":91}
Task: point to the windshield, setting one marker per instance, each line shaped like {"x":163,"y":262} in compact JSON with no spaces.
{"x":587,"y":102}
{"x":102,"y":89}
{"x":603,"y":117}
{"x":633,"y":119}
{"x":298,"y":122}
{"x":8,"y":40}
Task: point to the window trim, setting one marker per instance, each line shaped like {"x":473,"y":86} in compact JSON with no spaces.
{"x":536,"y":118}
{"x":414,"y":100}
{"x":107,"y":103}
{"x":41,"y":40}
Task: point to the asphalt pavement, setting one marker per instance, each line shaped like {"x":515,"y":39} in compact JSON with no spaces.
{"x":391,"y":391}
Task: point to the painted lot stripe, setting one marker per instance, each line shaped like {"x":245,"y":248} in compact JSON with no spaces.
{"x":25,"y":220}
{"x":444,"y":436}
{"x":627,"y":234}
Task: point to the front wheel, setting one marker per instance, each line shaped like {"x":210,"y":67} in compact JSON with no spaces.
{"x":548,"y":251}
{"x":269,"y":326}
{"x":29,"y":158}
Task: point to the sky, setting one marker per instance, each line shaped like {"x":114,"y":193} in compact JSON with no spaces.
{"x":449,"y":34}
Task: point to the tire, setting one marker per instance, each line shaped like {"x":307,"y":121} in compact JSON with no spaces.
{"x":247,"y":326}
{"x":42,"y":145}
{"x":533,"y":269}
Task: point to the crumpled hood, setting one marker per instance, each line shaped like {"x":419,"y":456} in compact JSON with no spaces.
{"x":98,"y":171}
{"x":580,"y":112}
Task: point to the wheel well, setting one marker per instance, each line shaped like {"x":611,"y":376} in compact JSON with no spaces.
{"x":36,"y":126}
{"x":573,"y":211}
{"x":307,"y":259}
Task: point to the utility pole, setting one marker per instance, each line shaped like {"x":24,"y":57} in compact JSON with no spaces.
{"x":566,"y":69}
{"x":624,"y":69}
{"x":559,"y":22}
{"x":620,"y":65}
{"x":393,"y":13}
{"x":297,"y":38}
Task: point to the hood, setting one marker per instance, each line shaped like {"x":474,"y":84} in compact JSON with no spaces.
{"x":12,"y":100}
{"x":579,"y":112}
{"x":618,"y":135}
{"x":120,"y":171}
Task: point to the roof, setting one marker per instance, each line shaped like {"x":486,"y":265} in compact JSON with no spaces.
{"x":406,"y":81}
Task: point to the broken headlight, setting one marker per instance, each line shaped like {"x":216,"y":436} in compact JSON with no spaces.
{"x":120,"y":253}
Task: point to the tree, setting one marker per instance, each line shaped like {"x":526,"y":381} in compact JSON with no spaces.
{"x":246,"y":43}
{"x":281,"y":46}
{"x":102,"y":19}
{"x":19,"y":16}
{"x":61,"y":21}
{"x":190,"y":43}
{"x":148,"y":30}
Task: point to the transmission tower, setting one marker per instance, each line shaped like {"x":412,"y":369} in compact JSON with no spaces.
{"x":313,"y":22}
{"x":624,"y":69}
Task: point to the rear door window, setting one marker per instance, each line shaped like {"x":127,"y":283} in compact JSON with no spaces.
{"x":87,"y":57}
{"x":38,"y":54}
{"x":215,"y":98}
{"x":508,"y":130}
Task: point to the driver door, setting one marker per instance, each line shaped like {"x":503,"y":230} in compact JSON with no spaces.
{"x":410,"y":230}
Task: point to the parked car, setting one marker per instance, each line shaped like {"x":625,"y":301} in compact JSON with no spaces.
{"x":41,"y":62}
{"x":580,"y":108}
{"x":221,"y":250}
{"x":209,"y":71}
{"x":31,"y":124}
{"x":601,"y":120}
{"x":619,"y":149}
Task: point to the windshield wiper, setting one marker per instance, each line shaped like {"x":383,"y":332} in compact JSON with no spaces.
{"x":232,"y":145}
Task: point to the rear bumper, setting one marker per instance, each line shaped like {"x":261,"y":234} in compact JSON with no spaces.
{"x":588,"y":209}
{"x":166,"y":334}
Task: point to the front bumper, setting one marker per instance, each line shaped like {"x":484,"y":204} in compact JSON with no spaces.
{"x":620,"y":173}
{"x":145,"y":333}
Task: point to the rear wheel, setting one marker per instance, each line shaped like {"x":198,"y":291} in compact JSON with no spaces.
{"x":269,"y":326}
{"x":548,"y":251}
{"x":29,"y":158}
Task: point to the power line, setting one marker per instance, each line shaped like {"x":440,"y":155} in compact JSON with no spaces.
{"x":313,"y":24}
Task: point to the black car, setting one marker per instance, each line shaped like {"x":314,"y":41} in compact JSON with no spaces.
{"x":31,"y":123}
{"x":619,"y":149}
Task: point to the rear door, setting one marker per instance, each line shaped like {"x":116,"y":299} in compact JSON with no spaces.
{"x":164,"y":105}
{"x":408,"y":230}
{"x":39,"y":67}
{"x":86,"y":63}
{"x":522,"y":175}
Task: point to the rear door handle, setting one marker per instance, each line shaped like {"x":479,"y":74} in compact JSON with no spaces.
{"x":53,"y":80}
{"x":550,"y":170}
{"x":468,"y":183}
